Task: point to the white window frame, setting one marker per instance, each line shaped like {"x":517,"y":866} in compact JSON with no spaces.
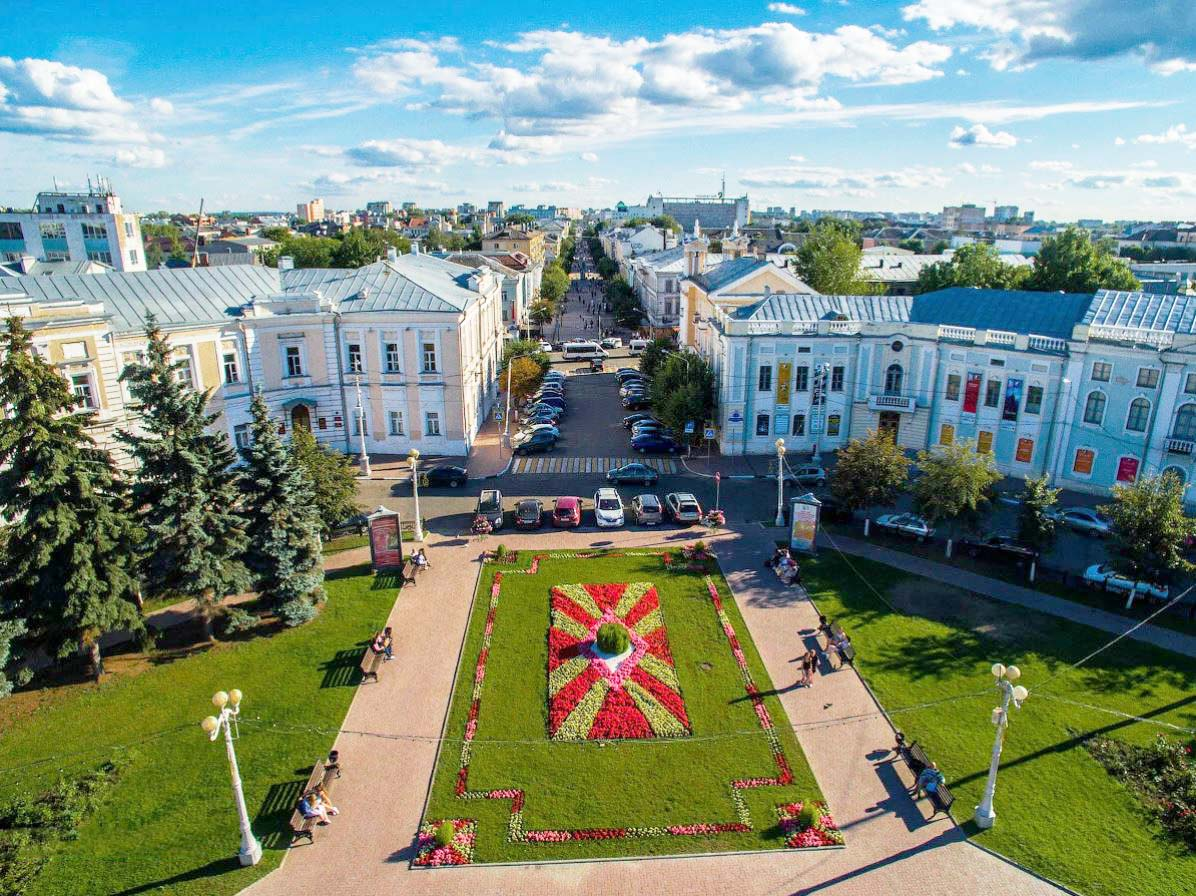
{"x":1084,"y":421}
{"x":242,"y":436}
{"x":1158,"y":377}
{"x":1105,"y":379}
{"x":300,"y":356}
{"x":395,"y":423}
{"x":354,"y":359}
{"x":427,"y":339}
{"x":764,"y":378}
{"x":233,"y":368}
{"x":85,"y":391}
{"x":184,"y":375}
{"x":1146,"y":422}
{"x":432,"y":422}
{"x":387,"y":367}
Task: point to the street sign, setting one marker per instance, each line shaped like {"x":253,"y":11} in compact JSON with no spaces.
{"x":708,"y":433}
{"x":735,"y":417}
{"x":718,"y":477}
{"x":498,"y":414}
{"x":689,"y":428}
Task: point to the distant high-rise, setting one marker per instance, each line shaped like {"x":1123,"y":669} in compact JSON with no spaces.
{"x":713,"y":212}
{"x":310,"y":212}
{"x":1005,"y":213}
{"x":380,"y":209}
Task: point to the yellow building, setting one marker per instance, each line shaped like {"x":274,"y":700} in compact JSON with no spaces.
{"x":512,"y":240}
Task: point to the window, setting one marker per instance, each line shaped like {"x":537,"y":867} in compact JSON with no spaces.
{"x":992,"y":393}
{"x":799,"y":424}
{"x":996,"y":362}
{"x":764,"y":378}
{"x":182,"y":369}
{"x":894,"y":377}
{"x":294,"y":359}
{"x":801,"y":379}
{"x":231,"y":372}
{"x":984,"y":442}
{"x":127,"y":359}
{"x":102,"y":257}
{"x":1034,"y":400}
{"x":1138,"y":416}
{"x":94,"y":232}
{"x":53,"y":231}
{"x":81,"y":386}
{"x":1094,"y":408}
{"x":241,"y":436}
{"x":129,"y":229}
{"x":1189,"y":380}
{"x":429,"y":354}
{"x":11,"y":230}
{"x":132,"y":256}
{"x":354,"y":360}
{"x":392,"y":357}
{"x":1148,"y":377}
{"x":1185,"y":423}
{"x":832,"y":425}
{"x":762,"y":424}
{"x":1083,"y":461}
{"x":431,"y":424}
{"x":946,"y":434}
{"x":837,"y":378}
{"x":953,"y":383}
{"x":396,"y":423}
{"x":1101,"y":371}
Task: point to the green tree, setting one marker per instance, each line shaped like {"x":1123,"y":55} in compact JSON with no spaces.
{"x":68,"y":559}
{"x":554,"y":284}
{"x":153,"y":255}
{"x":278,"y":234}
{"x":185,"y":489}
{"x":331,"y":475}
{"x":305,"y":251}
{"x":283,"y":553}
{"x":356,"y":250}
{"x":540,"y":313}
{"x":1072,"y":262}
{"x":654,"y":356}
{"x":682,"y":390}
{"x":518,"y":348}
{"x":10,"y":631}
{"x":607,"y":269}
{"x":913,"y":245}
{"x":975,"y":264}
{"x":829,"y":260}
{"x":870,"y":472}
{"x":666,"y":222}
{"x":1150,"y":529}
{"x":1035,"y":525}
{"x":520,"y":219}
{"x":954,"y":484}
{"x":521,"y":376}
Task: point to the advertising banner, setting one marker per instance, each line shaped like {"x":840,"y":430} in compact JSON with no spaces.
{"x":803,"y":524}
{"x":784,"y":377}
{"x":1127,"y":469}
{"x":386,"y":547}
{"x":971,"y":393}
{"x":1025,"y":451}
{"x":1013,"y":398}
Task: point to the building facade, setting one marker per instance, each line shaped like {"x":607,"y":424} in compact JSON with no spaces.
{"x":512,"y":240}
{"x":89,"y":226}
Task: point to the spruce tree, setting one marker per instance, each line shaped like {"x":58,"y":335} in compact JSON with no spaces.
{"x":284,"y":524}
{"x":185,"y":489}
{"x":68,"y":561}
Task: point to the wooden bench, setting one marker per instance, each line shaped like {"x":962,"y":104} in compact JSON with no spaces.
{"x":917,"y":760}
{"x":370,"y":663}
{"x":322,"y":775}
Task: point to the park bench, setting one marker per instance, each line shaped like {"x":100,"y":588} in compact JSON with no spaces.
{"x":322,"y":775}
{"x":847,"y":651}
{"x":371,"y":661}
{"x":917,"y":760}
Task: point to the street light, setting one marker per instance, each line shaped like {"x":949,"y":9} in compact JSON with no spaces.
{"x":365,"y":458}
{"x":229,"y":705}
{"x":780,"y":482}
{"x":419,"y":526}
{"x":1010,"y":693}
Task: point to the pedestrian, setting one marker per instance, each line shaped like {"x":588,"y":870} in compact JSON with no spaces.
{"x":809,"y":665}
{"x":930,"y":779}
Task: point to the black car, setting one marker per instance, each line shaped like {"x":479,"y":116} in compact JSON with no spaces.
{"x":998,"y":547}
{"x":641,"y":473}
{"x":631,"y":419}
{"x":636,"y":402}
{"x":529,"y":514}
{"x":453,"y":477}
{"x":624,"y":372}
{"x":536,"y":443}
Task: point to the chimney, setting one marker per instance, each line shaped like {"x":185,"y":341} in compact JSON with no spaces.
{"x":286,"y":263}
{"x":392,"y":254}
{"x":415,"y":247}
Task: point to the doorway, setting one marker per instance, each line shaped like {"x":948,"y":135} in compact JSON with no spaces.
{"x":300,"y":417}
{"x":890,"y":422}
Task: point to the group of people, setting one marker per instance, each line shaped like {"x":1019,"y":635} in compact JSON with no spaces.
{"x":316,"y":803}
{"x":383,"y":643}
{"x":785,"y":566}
{"x":837,"y":641}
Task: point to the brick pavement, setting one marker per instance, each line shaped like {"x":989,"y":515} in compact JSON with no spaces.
{"x":891,"y":848}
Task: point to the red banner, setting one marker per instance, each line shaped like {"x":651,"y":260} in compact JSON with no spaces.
{"x":971,"y":393}
{"x":1025,"y":451}
{"x":1127,"y":469}
{"x":386,"y":547}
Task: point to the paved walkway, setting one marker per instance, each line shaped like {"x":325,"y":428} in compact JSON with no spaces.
{"x":1006,"y":592}
{"x":891,"y":847}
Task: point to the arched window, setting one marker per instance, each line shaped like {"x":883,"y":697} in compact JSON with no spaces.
{"x":893,"y":379}
{"x":1185,"y":423}
{"x":1176,"y":472}
{"x":1094,"y":408}
{"x":1138,"y":416}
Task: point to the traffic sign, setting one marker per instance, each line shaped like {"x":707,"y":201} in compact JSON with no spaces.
{"x":689,"y":428}
{"x":708,"y":433}
{"x":735,"y":417}
{"x":498,"y":415}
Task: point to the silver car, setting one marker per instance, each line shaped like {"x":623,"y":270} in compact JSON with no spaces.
{"x":648,"y":510}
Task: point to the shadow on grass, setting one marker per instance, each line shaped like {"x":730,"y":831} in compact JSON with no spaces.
{"x":347,"y":572}
{"x":387,"y":581}
{"x":212,"y":869}
{"x":341,"y":670}
{"x":274,"y":815}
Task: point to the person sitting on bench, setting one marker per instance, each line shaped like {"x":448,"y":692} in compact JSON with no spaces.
{"x":311,"y":806}
{"x":841,"y":642}
{"x":420,"y":559}
{"x":929,"y":780}
{"x":383,"y":643}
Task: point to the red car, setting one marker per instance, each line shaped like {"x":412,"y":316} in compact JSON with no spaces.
{"x":566,"y":513}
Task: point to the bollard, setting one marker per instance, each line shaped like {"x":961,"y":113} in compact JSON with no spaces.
{"x":948,"y":548}
{"x":1033,"y":569}
{"x":867,"y":523}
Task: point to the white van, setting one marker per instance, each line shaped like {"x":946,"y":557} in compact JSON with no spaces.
{"x":637,"y":346}
{"x":582,"y":350}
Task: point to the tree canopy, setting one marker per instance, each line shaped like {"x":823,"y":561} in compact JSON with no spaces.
{"x":954,"y":483}
{"x":1150,"y":529}
{"x":682,"y":390}
{"x":975,"y":264}
{"x":332,"y":478}
{"x":870,"y":472}
{"x":1072,"y":262}
{"x":829,"y":260}
{"x":521,"y":376}
{"x":1035,"y":525}
{"x":553,"y":284}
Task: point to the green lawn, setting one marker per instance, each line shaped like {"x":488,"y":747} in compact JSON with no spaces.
{"x":652,"y":782}
{"x":1059,"y":812}
{"x":169,"y":822}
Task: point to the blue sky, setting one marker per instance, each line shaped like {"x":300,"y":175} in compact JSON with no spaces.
{"x":1073,"y":108}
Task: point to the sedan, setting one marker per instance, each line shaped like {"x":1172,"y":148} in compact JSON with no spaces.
{"x":611,"y":342}
{"x":683,"y":508}
{"x":636,"y":402}
{"x":631,"y":419}
{"x":540,"y":418}
{"x":566,"y":512}
{"x":546,"y":347}
{"x":608,"y":509}
{"x":810,"y":475}
{"x":529,"y":514}
{"x":540,"y":409}
{"x":536,"y":443}
{"x":1102,"y":575}
{"x":540,"y":427}
{"x":647,"y":509}
{"x":453,"y":477}
{"x":1086,"y":520}
{"x":624,"y":372}
{"x":641,"y":473}
{"x":908,"y":524}
{"x":654,"y":442}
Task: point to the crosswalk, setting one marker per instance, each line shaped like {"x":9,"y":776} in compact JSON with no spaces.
{"x":580,"y":465}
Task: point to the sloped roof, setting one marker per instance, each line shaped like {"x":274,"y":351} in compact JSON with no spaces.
{"x":728,"y":272}
{"x":408,"y":283}
{"x":799,"y":306}
{"x":1018,"y":311}
{"x":673,"y":260}
{"x":1142,"y":310}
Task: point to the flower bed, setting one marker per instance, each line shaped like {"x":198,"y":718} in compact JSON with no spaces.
{"x":459,"y":851}
{"x":804,"y":836}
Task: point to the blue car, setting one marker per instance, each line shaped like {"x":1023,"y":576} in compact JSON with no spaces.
{"x":656,"y":443}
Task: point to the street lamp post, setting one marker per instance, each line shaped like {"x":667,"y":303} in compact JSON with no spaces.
{"x":229,"y":705}
{"x":780,"y":482}
{"x":1010,"y":693}
{"x":365,"y":458}
{"x":419,"y":526}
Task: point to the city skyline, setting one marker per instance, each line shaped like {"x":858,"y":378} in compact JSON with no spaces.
{"x":1079,"y":110}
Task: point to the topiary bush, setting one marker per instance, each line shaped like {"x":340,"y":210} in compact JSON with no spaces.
{"x":445,"y":833}
{"x":613,"y":638}
{"x":808,"y":816}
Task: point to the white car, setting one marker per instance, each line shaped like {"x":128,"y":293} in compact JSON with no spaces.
{"x":608,"y":509}
{"x":1084,"y":519}
{"x":611,"y":342}
{"x":683,"y":508}
{"x":908,"y":524}
{"x":545,"y":346}
{"x":1102,"y":575}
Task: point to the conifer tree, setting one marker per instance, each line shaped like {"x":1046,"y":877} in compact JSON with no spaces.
{"x":185,"y":490}
{"x":68,"y":561}
{"x":283,"y":523}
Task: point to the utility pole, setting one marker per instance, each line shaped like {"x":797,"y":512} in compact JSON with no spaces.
{"x":506,"y":420}
{"x":198,"y":224}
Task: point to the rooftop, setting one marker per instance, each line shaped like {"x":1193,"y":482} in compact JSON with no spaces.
{"x":1019,"y":311}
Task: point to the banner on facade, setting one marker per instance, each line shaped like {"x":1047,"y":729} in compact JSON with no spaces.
{"x":1013,"y":398}
{"x":1127,"y":469}
{"x":971,"y":393}
{"x":1025,"y":451}
{"x":803,"y":523}
{"x":1082,"y":464}
{"x":784,"y":377}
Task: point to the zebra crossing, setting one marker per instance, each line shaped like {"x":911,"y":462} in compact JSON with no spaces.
{"x":582,"y":465}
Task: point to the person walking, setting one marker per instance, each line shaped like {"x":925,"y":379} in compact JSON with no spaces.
{"x":809,"y":665}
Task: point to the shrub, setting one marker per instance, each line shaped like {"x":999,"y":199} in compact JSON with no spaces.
{"x":500,"y":552}
{"x":445,"y":833}
{"x":1162,"y":775}
{"x":237,"y":620}
{"x":808,"y":816}
{"x":699,"y":547}
{"x":296,"y":612}
{"x":613,"y":638}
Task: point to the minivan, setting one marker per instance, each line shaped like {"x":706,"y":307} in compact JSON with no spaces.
{"x":637,"y":346}
{"x":583,"y":350}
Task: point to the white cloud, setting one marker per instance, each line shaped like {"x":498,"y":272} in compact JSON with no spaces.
{"x":786,"y":9}
{"x":824,"y":180}
{"x":161,"y":106}
{"x":589,"y":157}
{"x":338,"y":182}
{"x":979,"y":135}
{"x":1119,"y":141}
{"x":139,"y":157}
{"x":1177,"y":133}
{"x":1138,"y":178}
{"x":411,"y":153}
{"x":1050,"y":165}
{"x":552,"y":186}
{"x":970,"y":169}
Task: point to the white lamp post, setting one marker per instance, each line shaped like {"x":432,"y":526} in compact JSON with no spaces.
{"x":1010,"y":693}
{"x":229,"y":705}
{"x":780,"y":482}
{"x":365,"y":458}
{"x":419,"y":526}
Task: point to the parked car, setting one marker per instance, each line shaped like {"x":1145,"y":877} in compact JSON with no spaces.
{"x":1084,"y":519}
{"x":529,"y":514}
{"x":540,"y":427}
{"x":611,"y":342}
{"x":555,"y":375}
{"x":553,"y":401}
{"x":566,"y":512}
{"x":1102,"y":575}
{"x":809,"y":475}
{"x":647,"y":426}
{"x":636,"y":402}
{"x":907,"y":524}
{"x":596,"y":365}
{"x":608,"y":508}
{"x":453,"y":477}
{"x":683,"y":508}
{"x":551,"y":386}
{"x":641,"y":473}
{"x":535,"y":443}
{"x":647,"y":509}
{"x":631,"y":419}
{"x":998,"y":547}
{"x":624,"y":372}
{"x":541,"y":417}
{"x":545,"y":346}
{"x":657,"y":443}
{"x":490,"y":507}
{"x":633,"y":386}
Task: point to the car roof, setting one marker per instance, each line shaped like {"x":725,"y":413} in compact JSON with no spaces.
{"x":607,"y":491}
{"x":567,"y":501}
{"x":648,"y":498}
{"x":528,"y":502}
{"x":684,"y":496}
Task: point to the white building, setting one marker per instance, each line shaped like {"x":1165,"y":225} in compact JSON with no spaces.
{"x":89,"y":226}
